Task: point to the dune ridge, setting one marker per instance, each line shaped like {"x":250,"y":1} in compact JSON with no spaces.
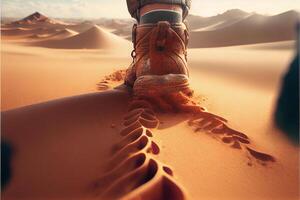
{"x":33,"y":18}
{"x":137,"y":173}
{"x":225,"y":19}
{"x":37,"y":18}
{"x":249,"y":30}
{"x":27,"y":31}
{"x":58,"y":34}
{"x":94,"y":38}
{"x":65,"y":33}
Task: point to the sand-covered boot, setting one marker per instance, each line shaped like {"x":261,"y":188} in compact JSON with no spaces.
{"x":159,"y":59}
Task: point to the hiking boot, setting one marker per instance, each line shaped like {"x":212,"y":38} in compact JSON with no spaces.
{"x":159,"y":57}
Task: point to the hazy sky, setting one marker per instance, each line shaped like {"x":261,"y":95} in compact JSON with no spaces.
{"x":118,"y":9}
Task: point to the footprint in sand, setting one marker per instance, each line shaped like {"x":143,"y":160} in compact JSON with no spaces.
{"x":133,"y":171}
{"x":204,"y":121}
{"x":217,"y":128}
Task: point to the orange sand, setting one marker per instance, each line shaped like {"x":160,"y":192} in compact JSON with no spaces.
{"x":103,"y":145}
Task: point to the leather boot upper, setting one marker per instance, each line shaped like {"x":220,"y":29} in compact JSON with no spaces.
{"x":159,"y":49}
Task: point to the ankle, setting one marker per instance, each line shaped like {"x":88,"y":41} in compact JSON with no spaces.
{"x":160,"y":6}
{"x":156,"y":12}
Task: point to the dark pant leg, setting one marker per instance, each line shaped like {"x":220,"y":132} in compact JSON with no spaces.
{"x":287,"y":112}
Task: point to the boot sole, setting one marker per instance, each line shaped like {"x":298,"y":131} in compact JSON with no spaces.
{"x":149,"y":85}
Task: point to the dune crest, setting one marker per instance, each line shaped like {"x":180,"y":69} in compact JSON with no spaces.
{"x":94,"y":38}
{"x":33,"y":18}
{"x":251,"y":29}
{"x":61,"y":34}
{"x":58,"y":34}
{"x":23,"y":32}
{"x":37,"y":18}
{"x":227,"y":18}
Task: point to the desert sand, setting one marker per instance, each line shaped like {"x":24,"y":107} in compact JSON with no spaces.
{"x":72,"y":141}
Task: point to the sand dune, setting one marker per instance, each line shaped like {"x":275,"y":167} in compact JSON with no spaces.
{"x":35,"y":21}
{"x":15,"y":33}
{"x":234,"y":27}
{"x":120,"y":27}
{"x":32,"y":19}
{"x":81,"y":26}
{"x":37,"y":18}
{"x":50,"y":148}
{"x":129,"y":158}
{"x":253,"y":29}
{"x":38,"y":36}
{"x":94,"y":38}
{"x":59,"y":34}
{"x":221,"y":20}
{"x":124,"y":166}
{"x":65,"y":33}
{"x":285,"y":45}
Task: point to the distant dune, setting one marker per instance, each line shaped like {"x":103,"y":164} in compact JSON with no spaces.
{"x":81,"y":26}
{"x":285,"y":45}
{"x":94,"y":38}
{"x":36,"y":18}
{"x":250,"y":30}
{"x":59,"y":34}
{"x":65,"y":33}
{"x":15,"y":31}
{"x":221,"y":20}
{"x":233,"y":27}
{"x":38,"y":36}
{"x":21,"y":32}
{"x":121,"y":27}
